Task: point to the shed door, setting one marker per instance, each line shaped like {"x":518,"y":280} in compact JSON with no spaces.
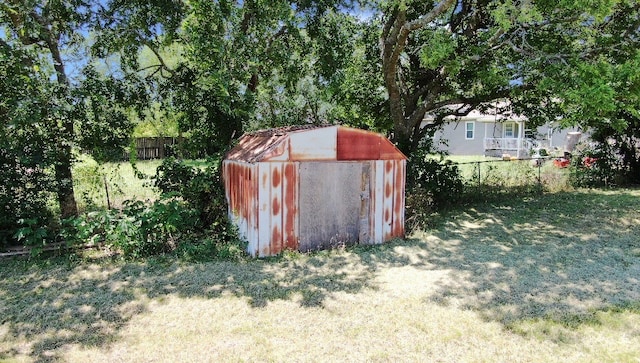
{"x":331,"y":203}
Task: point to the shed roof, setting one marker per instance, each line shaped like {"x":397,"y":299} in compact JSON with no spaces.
{"x":313,"y":142}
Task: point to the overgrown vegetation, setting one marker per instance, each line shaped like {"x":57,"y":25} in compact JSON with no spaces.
{"x":77,"y":76}
{"x":432,"y":184}
{"x":612,"y":159}
{"x":188,"y":218}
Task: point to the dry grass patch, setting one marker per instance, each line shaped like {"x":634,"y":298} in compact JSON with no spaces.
{"x":554,"y":278}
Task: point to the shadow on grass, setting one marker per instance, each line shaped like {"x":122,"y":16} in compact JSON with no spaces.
{"x":559,"y":256}
{"x":88,"y":304}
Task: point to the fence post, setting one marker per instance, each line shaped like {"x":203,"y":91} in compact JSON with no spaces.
{"x":479,"y":183}
{"x":539,"y":163}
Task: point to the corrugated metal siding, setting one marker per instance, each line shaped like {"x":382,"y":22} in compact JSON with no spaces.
{"x":387,"y":200}
{"x":277,"y":208}
{"x":241,"y":190}
{"x":264,"y":192}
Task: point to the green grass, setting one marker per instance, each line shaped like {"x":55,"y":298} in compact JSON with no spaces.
{"x":122,"y":182}
{"x":496,"y":173}
{"x":553,"y":278}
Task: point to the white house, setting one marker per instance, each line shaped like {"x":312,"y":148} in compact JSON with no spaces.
{"x":494,"y":134}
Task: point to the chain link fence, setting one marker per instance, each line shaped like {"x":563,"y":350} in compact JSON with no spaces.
{"x":513,"y":175}
{"x":109,"y":185}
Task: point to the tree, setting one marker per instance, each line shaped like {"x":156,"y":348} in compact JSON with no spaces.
{"x":25,"y":143}
{"x":48,"y":27}
{"x":454,"y":56}
{"x":87,"y":112}
{"x":241,"y":65}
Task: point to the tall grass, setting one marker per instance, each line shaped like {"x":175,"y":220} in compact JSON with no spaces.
{"x":486,"y":175}
{"x":110,"y":184}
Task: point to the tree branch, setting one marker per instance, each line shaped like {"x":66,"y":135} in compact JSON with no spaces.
{"x":159,"y":57}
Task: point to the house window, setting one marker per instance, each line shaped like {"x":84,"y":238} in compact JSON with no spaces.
{"x":510,"y":130}
{"x":469,"y":130}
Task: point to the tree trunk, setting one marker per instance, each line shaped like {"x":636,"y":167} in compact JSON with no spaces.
{"x":63,"y":174}
{"x":403,"y":105}
{"x":64,"y":181}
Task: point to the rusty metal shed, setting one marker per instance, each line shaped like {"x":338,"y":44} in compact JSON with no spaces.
{"x":312,"y":187}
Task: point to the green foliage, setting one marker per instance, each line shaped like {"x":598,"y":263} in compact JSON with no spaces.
{"x":102,"y":115}
{"x":189,"y":219}
{"x":613,"y":159}
{"x":600,"y":173}
{"x":568,"y":60}
{"x":202,"y":190}
{"x":438,"y":47}
{"x":212,"y":247}
{"x":26,"y":153}
{"x":139,"y":230}
{"x":432,"y":184}
{"x":32,"y":234}
{"x":357,"y":90}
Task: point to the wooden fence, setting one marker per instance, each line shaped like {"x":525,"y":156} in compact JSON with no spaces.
{"x":157,"y":147}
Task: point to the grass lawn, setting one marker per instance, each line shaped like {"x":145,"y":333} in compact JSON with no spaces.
{"x":554,"y":278}
{"x":496,"y":172}
{"x":121,"y":182}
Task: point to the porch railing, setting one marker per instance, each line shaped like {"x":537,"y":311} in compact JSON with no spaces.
{"x":511,"y":144}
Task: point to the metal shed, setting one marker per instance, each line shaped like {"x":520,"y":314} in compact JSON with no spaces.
{"x":313,"y":187}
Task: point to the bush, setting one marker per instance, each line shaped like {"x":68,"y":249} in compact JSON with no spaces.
{"x":139,"y":230}
{"x":202,"y":189}
{"x":190,"y":219}
{"x":595,"y":167}
{"x":432,"y":184}
{"x":23,"y":199}
{"x":617,"y":154}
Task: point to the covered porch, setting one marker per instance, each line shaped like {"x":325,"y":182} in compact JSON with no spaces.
{"x":507,"y":137}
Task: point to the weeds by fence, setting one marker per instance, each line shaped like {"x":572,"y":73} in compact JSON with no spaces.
{"x":108,"y":186}
{"x":498,"y":176}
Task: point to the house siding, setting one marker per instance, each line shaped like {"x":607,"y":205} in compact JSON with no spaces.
{"x":452,"y":137}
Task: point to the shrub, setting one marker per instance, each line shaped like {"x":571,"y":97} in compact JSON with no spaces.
{"x":190,"y":219}
{"x":432,"y":184}
{"x":23,"y":198}
{"x":202,"y":189}
{"x":139,"y":230}
{"x":600,"y":168}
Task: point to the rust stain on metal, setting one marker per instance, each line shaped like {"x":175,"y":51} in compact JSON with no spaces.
{"x":276,"y":178}
{"x":275,"y":207}
{"x":264,"y":144}
{"x":276,"y":238}
{"x":398,"y":201}
{"x":291,"y":209}
{"x":356,"y":144}
{"x":262,"y":178}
